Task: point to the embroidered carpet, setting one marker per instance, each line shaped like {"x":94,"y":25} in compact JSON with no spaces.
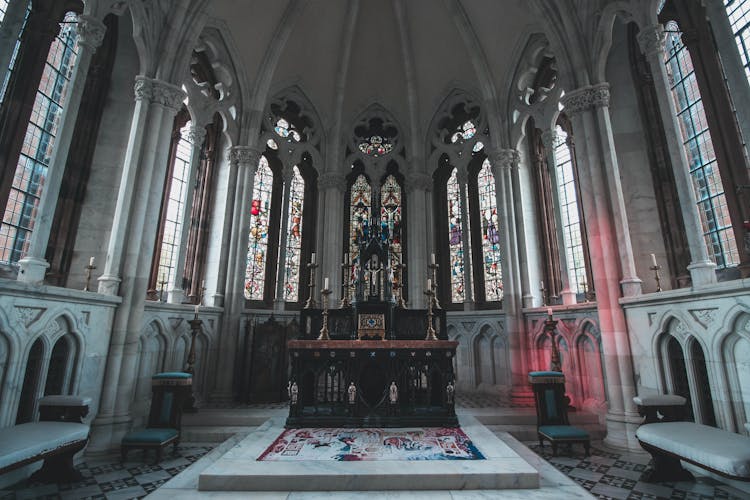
{"x":372,"y":444}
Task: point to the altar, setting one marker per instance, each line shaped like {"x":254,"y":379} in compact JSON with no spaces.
{"x":372,"y":362}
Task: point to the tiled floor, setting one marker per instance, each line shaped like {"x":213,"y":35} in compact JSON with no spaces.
{"x":618,"y":476}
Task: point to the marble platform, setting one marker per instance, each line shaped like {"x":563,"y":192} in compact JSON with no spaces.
{"x":238,"y":469}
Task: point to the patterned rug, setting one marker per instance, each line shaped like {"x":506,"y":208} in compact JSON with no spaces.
{"x":435,"y":443}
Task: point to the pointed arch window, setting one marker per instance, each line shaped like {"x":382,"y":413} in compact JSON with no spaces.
{"x":704,"y":169}
{"x":569,"y":212}
{"x":455,"y":238}
{"x":38,"y":145}
{"x":391,"y":217}
{"x":360,"y":210}
{"x":260,"y":216}
{"x":739,"y":18}
{"x":294,"y":237}
{"x":491,"y":260}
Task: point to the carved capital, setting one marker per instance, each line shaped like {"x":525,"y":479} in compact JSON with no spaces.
{"x":167,"y":95}
{"x":244,"y":156}
{"x":651,"y":40}
{"x":90,"y":31}
{"x":418,"y":180}
{"x":505,"y":159}
{"x":331,"y":180}
{"x":143,"y":88}
{"x":196,"y":135}
{"x":586,"y":98}
{"x":549,"y":139}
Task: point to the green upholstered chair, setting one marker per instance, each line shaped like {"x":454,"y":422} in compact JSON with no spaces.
{"x":170,"y":390}
{"x":552,"y":412}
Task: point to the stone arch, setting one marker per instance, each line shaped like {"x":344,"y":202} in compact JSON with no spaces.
{"x":591,"y":377}
{"x":734,"y":356}
{"x":701,"y":386}
{"x":6,"y":358}
{"x":32,"y":381}
{"x":180,"y":353}
{"x":152,"y":350}
{"x":672,"y":362}
{"x":483,"y":368}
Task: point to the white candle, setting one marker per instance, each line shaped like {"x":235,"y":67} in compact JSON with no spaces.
{"x":203,"y":284}
{"x":653,"y":260}
{"x":325,"y":283}
{"x":541,"y":285}
{"x":429,"y":284}
{"x":91,"y":262}
{"x":346,"y":258}
{"x":197,"y":309}
{"x":549,"y":312}
{"x":432,"y":259}
{"x":312,"y":258}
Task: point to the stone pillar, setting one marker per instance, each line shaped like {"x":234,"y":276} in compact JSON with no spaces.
{"x":175,"y":293}
{"x":33,"y":266}
{"x":134,"y":229}
{"x":246,"y":158}
{"x":330,"y":240}
{"x":462,"y":176}
{"x":588,"y":110}
{"x":550,"y":139}
{"x":651,"y":39}
{"x":504,"y":163}
{"x":286,"y":175}
{"x":418,"y":185}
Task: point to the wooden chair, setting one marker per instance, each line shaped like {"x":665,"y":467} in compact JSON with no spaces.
{"x":170,"y":391}
{"x":552,"y":412}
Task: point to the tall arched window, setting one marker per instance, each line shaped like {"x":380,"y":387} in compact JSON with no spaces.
{"x":294,"y":237}
{"x":360,"y":210}
{"x":39,"y":142}
{"x":174,"y":212}
{"x":455,"y":238}
{"x":739,"y":18}
{"x":569,"y":211}
{"x":491,"y":265}
{"x":391,"y":216}
{"x":260,"y":216}
{"x":699,"y":148}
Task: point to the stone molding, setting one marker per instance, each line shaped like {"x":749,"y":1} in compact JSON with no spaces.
{"x":332,"y":180}
{"x":651,"y":40}
{"x":196,"y":134}
{"x":90,"y":31}
{"x":549,"y":139}
{"x":586,"y":98}
{"x":158,"y":92}
{"x":244,"y":155}
{"x":504,"y":159}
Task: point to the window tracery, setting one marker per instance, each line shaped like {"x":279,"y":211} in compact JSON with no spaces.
{"x":257,"y":248}
{"x":294,"y":237}
{"x":360,"y":209}
{"x":455,"y":238}
{"x":491,"y":262}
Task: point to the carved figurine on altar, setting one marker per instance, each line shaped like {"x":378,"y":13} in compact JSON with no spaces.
{"x":352,"y":393}
{"x":393,"y":393}
{"x":450,"y":392}
{"x":293,"y":393}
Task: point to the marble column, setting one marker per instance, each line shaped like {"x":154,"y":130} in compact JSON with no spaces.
{"x":246,"y":158}
{"x":504,"y":162}
{"x":418,"y":184}
{"x":701,"y":268}
{"x":131,"y":243}
{"x":550,"y":140}
{"x":462,"y":176}
{"x":175,"y":293}
{"x":33,"y":266}
{"x":330,"y":240}
{"x":588,"y":109}
{"x":286,"y":175}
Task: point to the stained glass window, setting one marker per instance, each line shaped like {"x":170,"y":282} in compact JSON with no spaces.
{"x":360,"y":205}
{"x":390,"y":218}
{"x":569,"y":212}
{"x":257,"y":246}
{"x":493,"y":272}
{"x":709,"y":191}
{"x":175,"y":214}
{"x":38,"y":144}
{"x":294,"y":238}
{"x":464,"y":132}
{"x":286,"y":130}
{"x":376,"y":146}
{"x":739,"y":17}
{"x":455,"y":238}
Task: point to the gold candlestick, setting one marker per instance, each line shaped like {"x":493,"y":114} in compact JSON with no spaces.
{"x":400,"y":271}
{"x":324,"y":329}
{"x":430,"y":329}
{"x":346,"y":270}
{"x":161,"y":290}
{"x":87,"y":275}
{"x":434,"y":268}
{"x":549,"y":326}
{"x":544,"y":294}
{"x":311,"y":302}
{"x":656,"y":269}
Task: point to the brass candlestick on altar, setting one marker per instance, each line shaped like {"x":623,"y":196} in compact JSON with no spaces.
{"x":195,"y":329}
{"x":434,"y":267}
{"x":324,"y":329}
{"x":400,"y":289}
{"x":655,"y":269}
{"x":311,"y":302}
{"x":87,"y":274}
{"x":430,"y":329}
{"x":161,"y":290}
{"x":544,"y":293}
{"x":346,"y":271}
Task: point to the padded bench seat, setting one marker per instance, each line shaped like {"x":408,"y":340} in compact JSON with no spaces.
{"x":719,"y":451}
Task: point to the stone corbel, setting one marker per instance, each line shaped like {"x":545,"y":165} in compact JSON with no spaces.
{"x":586,"y":98}
{"x":90,"y":31}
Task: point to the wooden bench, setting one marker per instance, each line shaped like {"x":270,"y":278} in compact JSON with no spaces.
{"x":670,"y":441}
{"x":56,"y":438}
